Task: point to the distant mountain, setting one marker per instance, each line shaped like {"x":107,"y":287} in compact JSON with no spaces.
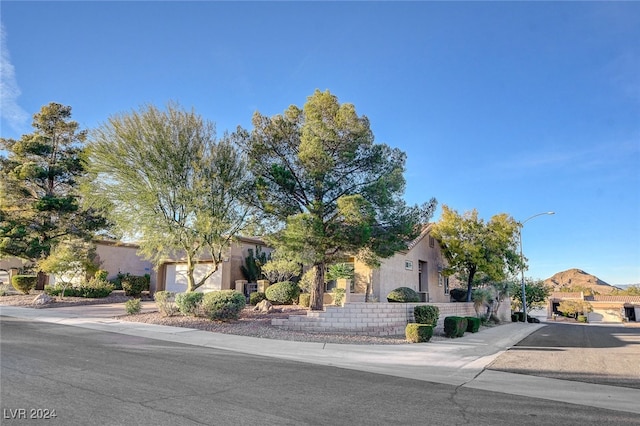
{"x":625,"y":286}
{"x":573,"y":278}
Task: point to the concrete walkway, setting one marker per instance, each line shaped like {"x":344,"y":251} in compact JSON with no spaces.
{"x":459,"y":362}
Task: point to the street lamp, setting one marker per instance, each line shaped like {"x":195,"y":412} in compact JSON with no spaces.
{"x":524,"y":295}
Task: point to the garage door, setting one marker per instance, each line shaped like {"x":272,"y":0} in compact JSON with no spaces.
{"x":176,"y":278}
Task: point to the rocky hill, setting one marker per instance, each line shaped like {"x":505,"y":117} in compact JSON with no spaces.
{"x":578,"y":279}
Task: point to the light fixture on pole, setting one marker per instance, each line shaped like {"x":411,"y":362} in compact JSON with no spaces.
{"x":524,"y":294}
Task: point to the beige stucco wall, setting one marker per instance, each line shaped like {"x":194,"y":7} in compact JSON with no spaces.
{"x":124,"y":258}
{"x":393,"y":272}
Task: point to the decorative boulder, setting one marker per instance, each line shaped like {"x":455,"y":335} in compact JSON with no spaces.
{"x":264,"y":306}
{"x":42,"y":299}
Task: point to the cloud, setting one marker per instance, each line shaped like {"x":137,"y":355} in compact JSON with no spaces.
{"x":10,"y":111}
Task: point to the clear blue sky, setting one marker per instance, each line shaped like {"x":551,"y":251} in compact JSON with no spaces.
{"x":516,"y":107}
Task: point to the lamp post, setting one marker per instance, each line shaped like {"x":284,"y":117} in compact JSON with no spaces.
{"x":524,"y":294}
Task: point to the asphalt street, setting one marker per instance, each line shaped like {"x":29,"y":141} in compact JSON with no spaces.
{"x":91,"y":376}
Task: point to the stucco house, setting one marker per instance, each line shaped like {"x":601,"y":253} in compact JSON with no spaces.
{"x":113,"y":256}
{"x":419,"y":267}
{"x":606,"y":308}
{"x":171,"y":274}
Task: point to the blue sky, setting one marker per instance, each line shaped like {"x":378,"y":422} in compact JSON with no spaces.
{"x":516,"y":107}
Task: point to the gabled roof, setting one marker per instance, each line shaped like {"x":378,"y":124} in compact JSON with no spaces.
{"x":425,"y":231}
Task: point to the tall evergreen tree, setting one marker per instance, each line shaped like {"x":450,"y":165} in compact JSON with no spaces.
{"x":332,"y":190}
{"x":40,"y":203}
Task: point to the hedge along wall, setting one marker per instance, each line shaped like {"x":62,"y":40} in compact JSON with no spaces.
{"x":372,"y":319}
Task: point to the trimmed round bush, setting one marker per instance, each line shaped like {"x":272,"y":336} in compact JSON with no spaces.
{"x":256,"y":297}
{"x":223,"y":305}
{"x":283,"y":293}
{"x":458,"y":294}
{"x":426,"y":314}
{"x":101,"y":274}
{"x":166,"y":303}
{"x":134,"y":285}
{"x":133,"y":306}
{"x":304,"y":300}
{"x":96,"y":288}
{"x":473,"y":324}
{"x":24,"y":283}
{"x":455,"y":326}
{"x":188,"y":303}
{"x":403,"y":295}
{"x":514,"y":318}
{"x":418,"y":333}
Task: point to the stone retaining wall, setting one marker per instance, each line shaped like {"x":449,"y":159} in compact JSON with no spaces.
{"x":372,"y":319}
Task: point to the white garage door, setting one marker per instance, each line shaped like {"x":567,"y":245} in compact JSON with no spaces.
{"x":176,"y":278}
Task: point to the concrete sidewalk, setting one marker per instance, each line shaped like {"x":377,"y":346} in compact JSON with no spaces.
{"x":459,"y":362}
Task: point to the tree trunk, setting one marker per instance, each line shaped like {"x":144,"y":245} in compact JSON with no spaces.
{"x":43,"y":279}
{"x":190,"y":280}
{"x":317,"y":291}
{"x":472,"y":273}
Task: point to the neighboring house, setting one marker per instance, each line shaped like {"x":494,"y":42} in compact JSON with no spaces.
{"x":605,"y":308}
{"x":172,"y":272}
{"x":10,"y":266}
{"x":113,"y":256}
{"x":117,"y":257}
{"x":418,"y":267}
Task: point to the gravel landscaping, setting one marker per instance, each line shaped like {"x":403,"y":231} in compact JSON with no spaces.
{"x":251,"y":323}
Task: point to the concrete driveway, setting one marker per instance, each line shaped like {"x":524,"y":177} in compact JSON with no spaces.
{"x":590,"y":353}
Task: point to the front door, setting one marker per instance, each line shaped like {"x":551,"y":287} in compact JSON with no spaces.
{"x":423,"y":279}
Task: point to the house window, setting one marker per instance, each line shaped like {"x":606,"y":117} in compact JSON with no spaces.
{"x":408,"y":265}
{"x":432,"y":241}
{"x":446,"y":285}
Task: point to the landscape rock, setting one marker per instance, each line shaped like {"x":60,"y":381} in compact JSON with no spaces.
{"x":264,"y":306}
{"x":42,"y":299}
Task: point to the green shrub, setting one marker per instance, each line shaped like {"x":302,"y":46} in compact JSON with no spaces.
{"x":582,"y":318}
{"x":117,"y":281}
{"x":24,"y":283}
{"x":223,"y":305}
{"x":418,"y":333}
{"x":96,"y":288}
{"x":57,"y":289}
{"x":520,"y":316}
{"x":132,"y":306}
{"x":284,"y":293}
{"x":455,"y":326}
{"x":473,"y":324}
{"x":514,"y":318}
{"x":165,"y":301}
{"x":304,"y":300}
{"x":458,"y":294}
{"x":403,"y":295}
{"x":256,"y":297}
{"x":338,"y":296}
{"x":426,"y":314}
{"x":134,"y":285}
{"x":188,"y":303}
{"x":101,"y":274}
